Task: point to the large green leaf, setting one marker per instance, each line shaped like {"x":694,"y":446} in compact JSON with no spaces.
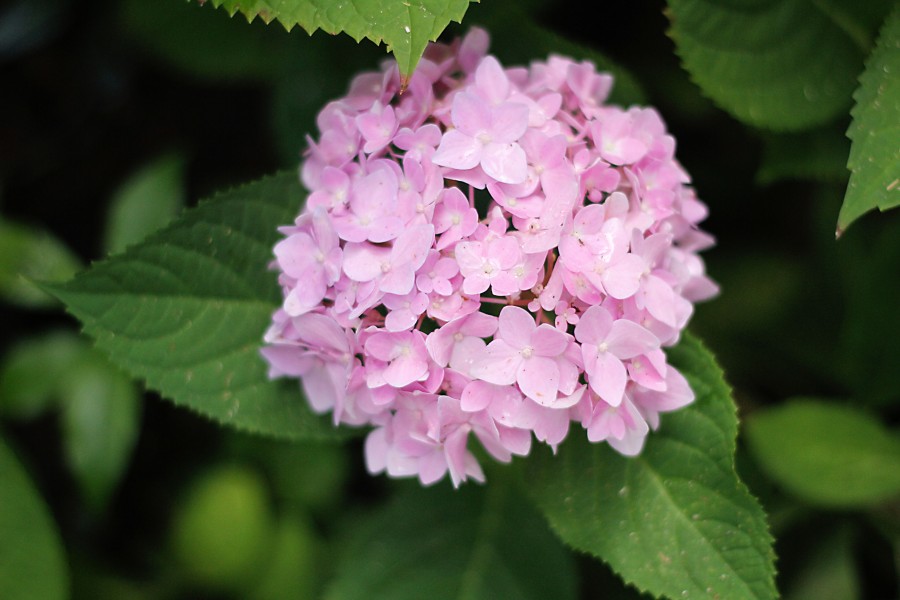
{"x":676,"y":520}
{"x":827,"y":454}
{"x":186,"y":309}
{"x":32,"y":562}
{"x":875,"y":154}
{"x":780,"y":64}
{"x":444,"y":544}
{"x":405,"y":26}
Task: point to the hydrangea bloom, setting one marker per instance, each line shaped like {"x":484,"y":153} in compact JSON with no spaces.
{"x":493,"y":253}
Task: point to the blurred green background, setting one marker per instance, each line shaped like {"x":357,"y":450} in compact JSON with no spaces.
{"x":118,"y":113}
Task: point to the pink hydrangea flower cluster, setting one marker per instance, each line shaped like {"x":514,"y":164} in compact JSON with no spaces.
{"x":492,"y":252}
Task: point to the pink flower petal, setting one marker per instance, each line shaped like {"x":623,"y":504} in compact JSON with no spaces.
{"x":458,"y":151}
{"x":504,"y":162}
{"x":538,"y":378}
{"x":515,"y":327}
{"x":498,"y":363}
{"x":607,"y":377}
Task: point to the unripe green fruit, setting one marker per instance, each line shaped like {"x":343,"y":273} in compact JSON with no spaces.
{"x":223,"y":529}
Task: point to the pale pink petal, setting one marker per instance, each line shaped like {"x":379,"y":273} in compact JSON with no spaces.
{"x":659,"y":299}
{"x":458,"y":151}
{"x":363,"y":262}
{"x":538,"y":378}
{"x":287,"y":360}
{"x":455,"y":453}
{"x":517,"y":441}
{"x":470,"y":115}
{"x":480,"y":325}
{"x":465,"y":353}
{"x":622,"y":279}
{"x":627,"y":339}
{"x":608,"y":377}
{"x":549,"y":341}
{"x":412,"y":245}
{"x":504,"y":162}
{"x":406,"y":369}
{"x":477,"y":395}
{"x":376,"y":450}
{"x":515,"y":327}
{"x":593,"y":326}
{"x":491,"y":80}
{"x":510,"y":120}
{"x":497,"y":364}
{"x":382,"y":345}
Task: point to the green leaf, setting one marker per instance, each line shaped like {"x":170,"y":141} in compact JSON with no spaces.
{"x":783,"y":65}
{"x":826,"y":453}
{"x":147,"y":201}
{"x":405,"y":26}
{"x":875,"y":153}
{"x":186,"y":309}
{"x":676,"y":520}
{"x":32,"y":562}
{"x":447,"y":544}
{"x":817,"y":155}
{"x":32,"y":371}
{"x":100,"y":420}
{"x":516,"y":38}
{"x":30,"y":254}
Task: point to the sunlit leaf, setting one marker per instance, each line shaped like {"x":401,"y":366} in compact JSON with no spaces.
{"x":875,"y":154}
{"x":32,"y":562}
{"x":676,"y":520}
{"x":826,"y":453}
{"x":186,"y":309}
{"x":405,"y":26}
